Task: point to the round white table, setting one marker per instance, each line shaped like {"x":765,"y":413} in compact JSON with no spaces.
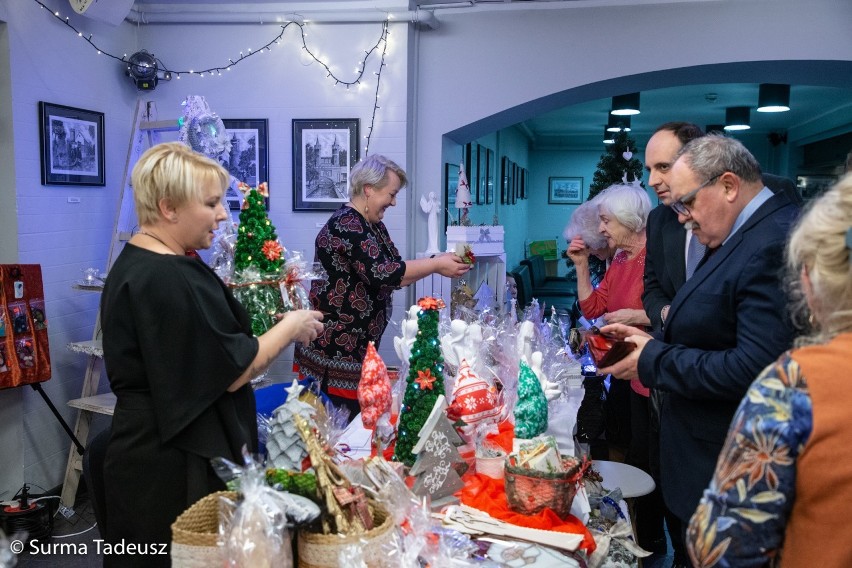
{"x":633,"y":481}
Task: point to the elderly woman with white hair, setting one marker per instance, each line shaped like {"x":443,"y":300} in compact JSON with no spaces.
{"x":584,"y":222}
{"x":622,"y":213}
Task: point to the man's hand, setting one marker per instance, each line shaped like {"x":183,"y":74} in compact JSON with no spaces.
{"x":627,"y":368}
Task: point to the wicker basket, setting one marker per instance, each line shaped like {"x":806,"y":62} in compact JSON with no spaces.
{"x":317,"y":550}
{"x":195,"y":533}
{"x":529,"y":492}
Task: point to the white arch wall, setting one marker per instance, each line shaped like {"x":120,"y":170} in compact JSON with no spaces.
{"x":499,"y":61}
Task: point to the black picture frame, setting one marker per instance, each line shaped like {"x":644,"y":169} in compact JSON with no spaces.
{"x":514,"y":183}
{"x":248,"y":159}
{"x":524,"y":183}
{"x":321,"y":177}
{"x":490,"y":176}
{"x":72,"y":145}
{"x":564,"y":190}
{"x":451,"y":186}
{"x":505,"y":167}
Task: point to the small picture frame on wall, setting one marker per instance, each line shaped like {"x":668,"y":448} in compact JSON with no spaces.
{"x":451,"y":187}
{"x":72,"y":145}
{"x":565,"y":190}
{"x":324,"y":150}
{"x":248,"y":159}
{"x":490,"y":176}
{"x":505,"y":169}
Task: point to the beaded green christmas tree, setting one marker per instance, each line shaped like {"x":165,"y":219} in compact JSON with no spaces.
{"x":425,"y":381}
{"x":258,"y":261}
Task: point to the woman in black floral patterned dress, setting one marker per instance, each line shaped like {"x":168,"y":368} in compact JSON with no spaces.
{"x":364,"y":268}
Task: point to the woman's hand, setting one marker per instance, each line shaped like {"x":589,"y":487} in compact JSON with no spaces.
{"x":302,"y":326}
{"x":450,"y":265}
{"x":627,"y":316}
{"x":578,"y":251}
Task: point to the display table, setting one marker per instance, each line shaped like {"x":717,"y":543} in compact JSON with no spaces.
{"x":633,"y":481}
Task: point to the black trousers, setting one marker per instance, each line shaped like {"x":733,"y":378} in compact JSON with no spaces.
{"x":648,"y":509}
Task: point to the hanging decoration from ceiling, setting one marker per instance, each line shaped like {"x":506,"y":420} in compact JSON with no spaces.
{"x":217,"y":71}
{"x":202,"y":130}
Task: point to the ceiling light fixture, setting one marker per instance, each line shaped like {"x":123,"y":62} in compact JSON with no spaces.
{"x":773,"y":98}
{"x":737,"y":118}
{"x":618,"y":123}
{"x":609,"y":137}
{"x":623,"y":105}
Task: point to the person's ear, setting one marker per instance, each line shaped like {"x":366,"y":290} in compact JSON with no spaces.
{"x":731,"y":186}
{"x":167,"y":210}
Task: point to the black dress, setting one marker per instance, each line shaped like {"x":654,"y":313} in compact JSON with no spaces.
{"x":174,"y":340}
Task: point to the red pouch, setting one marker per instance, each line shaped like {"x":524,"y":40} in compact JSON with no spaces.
{"x":606,"y":350}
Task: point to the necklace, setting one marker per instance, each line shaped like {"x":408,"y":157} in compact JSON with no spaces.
{"x":156,"y":238}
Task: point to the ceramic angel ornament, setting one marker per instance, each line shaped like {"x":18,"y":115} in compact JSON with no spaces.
{"x":431,"y":206}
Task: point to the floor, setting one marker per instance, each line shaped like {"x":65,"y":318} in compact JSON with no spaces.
{"x":73,"y":544}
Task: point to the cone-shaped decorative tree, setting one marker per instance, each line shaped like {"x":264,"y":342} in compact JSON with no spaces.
{"x":425,"y":381}
{"x":617,"y":162}
{"x":258,"y":259}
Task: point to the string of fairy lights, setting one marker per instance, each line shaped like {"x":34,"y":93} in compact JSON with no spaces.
{"x":276,"y":41}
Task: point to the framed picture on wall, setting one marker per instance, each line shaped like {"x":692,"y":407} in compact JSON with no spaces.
{"x":72,"y":145}
{"x":451,"y":186}
{"x":324,"y":150}
{"x":524,"y":187}
{"x":490,"y":176}
{"x":565,"y":190}
{"x":248,"y":160}
{"x":505,"y":167}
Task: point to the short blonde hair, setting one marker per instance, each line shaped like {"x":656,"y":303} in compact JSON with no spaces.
{"x":373,"y":170}
{"x":175,"y":172}
{"x":821,"y":243}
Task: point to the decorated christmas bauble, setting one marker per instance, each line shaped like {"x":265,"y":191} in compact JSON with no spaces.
{"x":474,"y":400}
{"x":374,"y":389}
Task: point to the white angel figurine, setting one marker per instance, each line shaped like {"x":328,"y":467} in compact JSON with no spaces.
{"x":431,"y":206}
{"x":551,"y":390}
{"x":402,"y":345}
{"x":452,"y":344}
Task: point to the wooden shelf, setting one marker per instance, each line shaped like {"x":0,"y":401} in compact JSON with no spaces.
{"x":100,"y":403}
{"x":93,"y":347}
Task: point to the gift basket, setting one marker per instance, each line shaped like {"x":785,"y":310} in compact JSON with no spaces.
{"x":538,"y":477}
{"x":195,"y":533}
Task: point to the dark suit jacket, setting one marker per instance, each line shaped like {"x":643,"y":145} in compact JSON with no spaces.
{"x":665,"y":270}
{"x":725,"y":325}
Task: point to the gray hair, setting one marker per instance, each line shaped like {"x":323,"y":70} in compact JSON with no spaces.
{"x":373,"y":170}
{"x":629,"y":204}
{"x":712,"y":155}
{"x":584,"y":221}
{"x":820,"y":243}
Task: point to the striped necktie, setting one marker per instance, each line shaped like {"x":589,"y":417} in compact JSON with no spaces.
{"x":693,"y":256}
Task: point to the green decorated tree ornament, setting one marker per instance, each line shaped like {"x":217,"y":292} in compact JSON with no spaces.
{"x":531,"y":408}
{"x":258,"y":261}
{"x":424,"y":383}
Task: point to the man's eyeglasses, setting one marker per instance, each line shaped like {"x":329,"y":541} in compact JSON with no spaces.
{"x":681,"y":206}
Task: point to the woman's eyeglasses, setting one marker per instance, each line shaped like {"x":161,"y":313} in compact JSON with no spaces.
{"x":682,"y":205}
